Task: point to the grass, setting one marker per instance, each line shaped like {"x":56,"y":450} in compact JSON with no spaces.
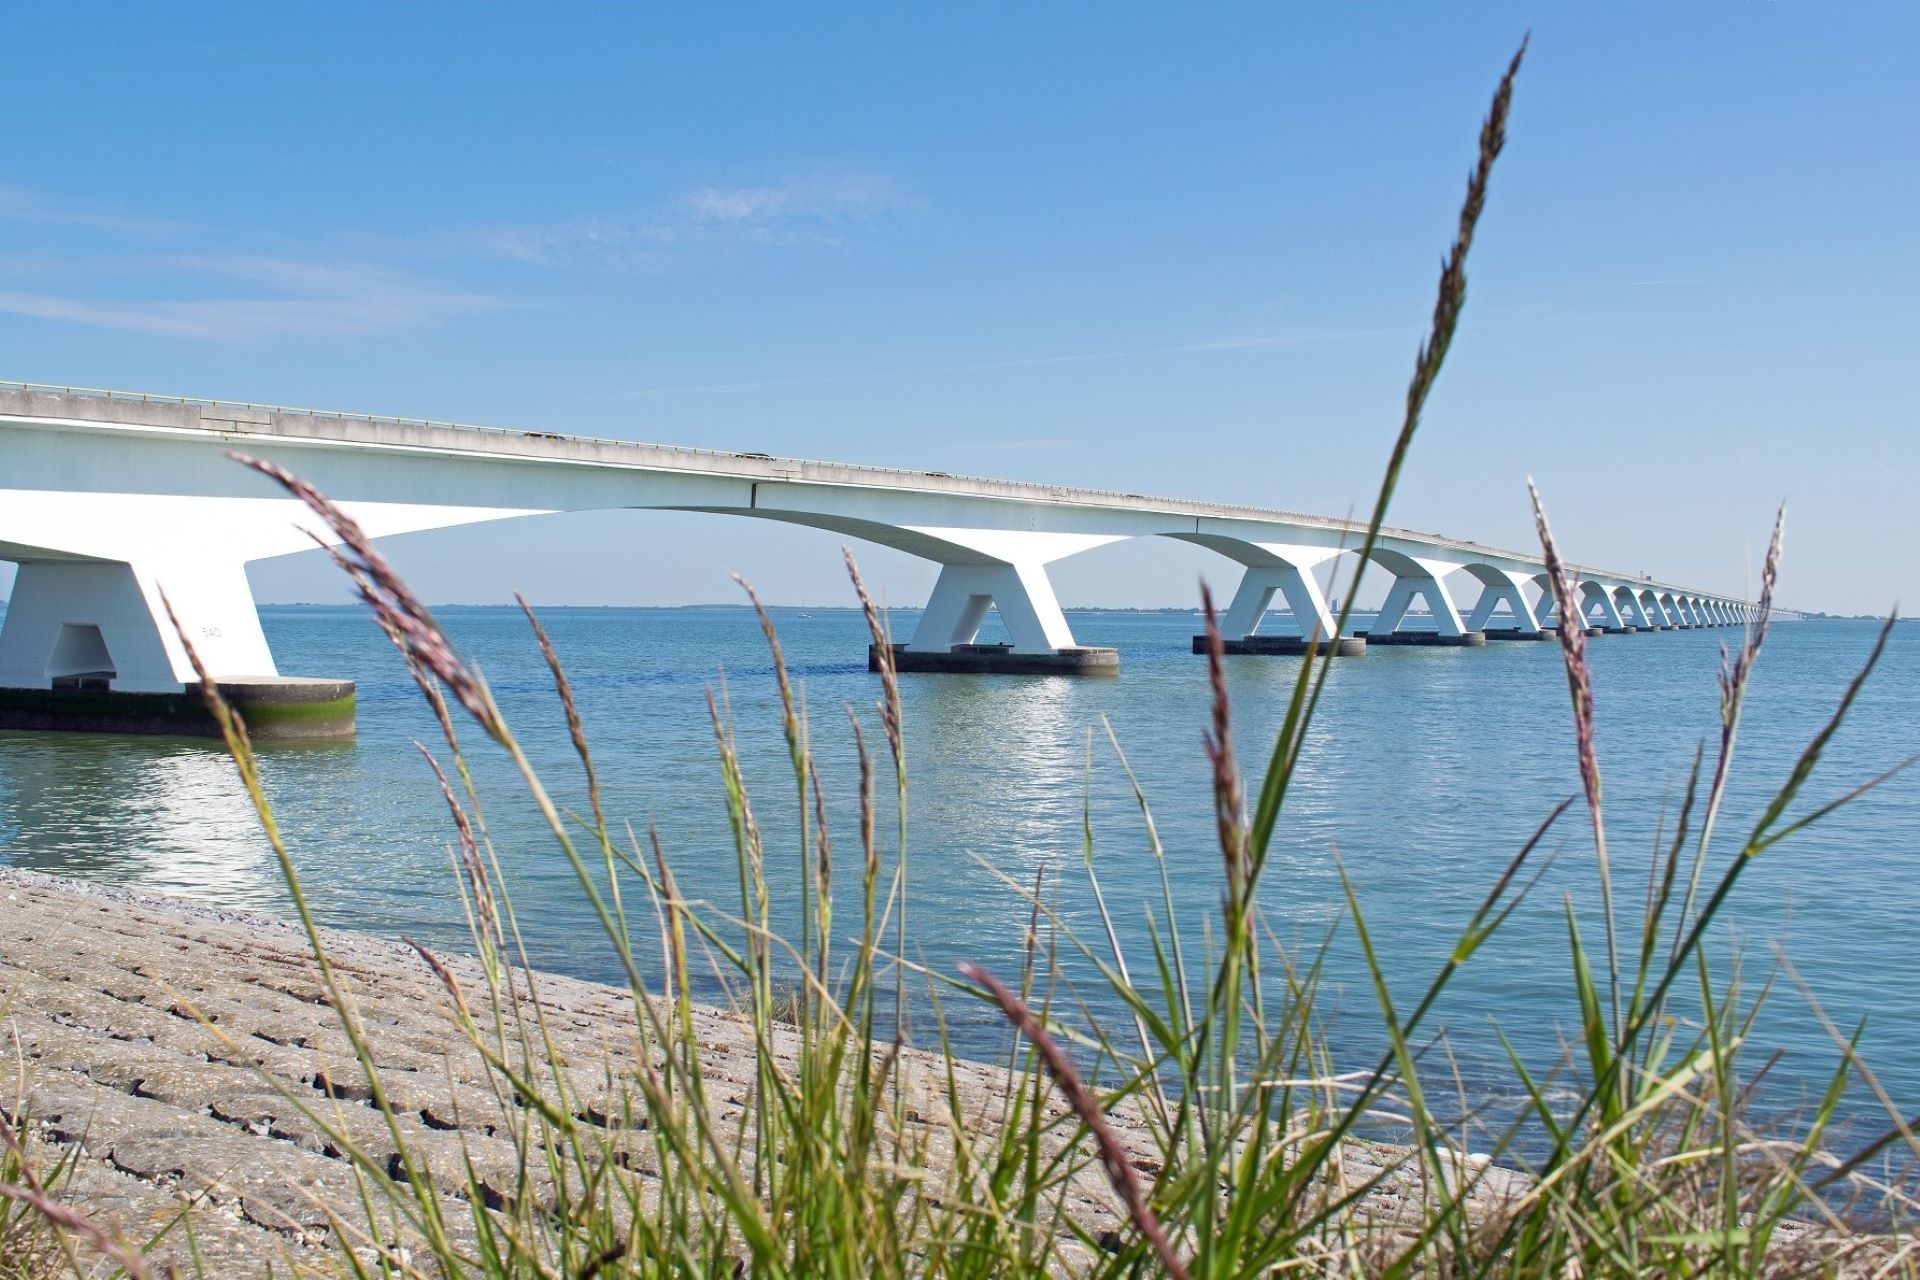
{"x":30,"y":1245}
{"x":1211,"y":1117}
{"x":41,"y":1236}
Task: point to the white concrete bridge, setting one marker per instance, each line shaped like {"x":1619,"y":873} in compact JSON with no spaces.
{"x":107,"y":498}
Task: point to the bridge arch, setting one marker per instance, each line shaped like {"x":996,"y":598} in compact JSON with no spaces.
{"x":1416,"y":577}
{"x":1503,"y":585}
{"x":1272,"y":567}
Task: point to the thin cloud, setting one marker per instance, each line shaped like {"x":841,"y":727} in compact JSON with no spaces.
{"x":20,"y":205}
{"x":561,"y":243}
{"x":218,"y":296}
{"x":834,"y":198}
{"x":240,"y":319}
{"x":294,"y":297}
{"x":1251,"y":340}
{"x":811,"y":210}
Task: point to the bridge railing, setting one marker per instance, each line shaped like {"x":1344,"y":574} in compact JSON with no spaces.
{"x":1065,"y":492}
{"x":255,"y":406}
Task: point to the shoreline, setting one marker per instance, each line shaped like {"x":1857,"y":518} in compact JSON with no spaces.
{"x":102,"y":992}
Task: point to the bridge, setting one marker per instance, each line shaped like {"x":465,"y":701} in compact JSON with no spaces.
{"x":109,"y":498}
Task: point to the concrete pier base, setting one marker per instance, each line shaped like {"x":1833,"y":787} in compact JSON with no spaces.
{"x":1620,"y":631}
{"x":1596,"y":631}
{"x":1509,"y":633}
{"x":1344,"y":647}
{"x":276,"y":708}
{"x":1430,"y":639}
{"x":1001,"y":660}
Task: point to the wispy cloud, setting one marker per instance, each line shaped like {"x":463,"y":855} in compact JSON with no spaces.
{"x":282,"y":296}
{"x":813,"y":209}
{"x":830,"y":199}
{"x":1248,"y":340}
{"x":159,"y":276}
{"x":20,"y":205}
{"x":557,"y":244}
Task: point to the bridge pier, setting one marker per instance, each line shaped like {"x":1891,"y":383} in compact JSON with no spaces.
{"x":1419,"y":578}
{"x":1041,"y":642}
{"x":87,"y":645}
{"x":1546,"y":608}
{"x":1504,"y":586}
{"x":1599,"y":609}
{"x":1641,"y":617}
{"x":1284,"y":569}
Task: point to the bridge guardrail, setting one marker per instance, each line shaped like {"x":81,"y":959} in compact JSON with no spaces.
{"x":1064,"y":492}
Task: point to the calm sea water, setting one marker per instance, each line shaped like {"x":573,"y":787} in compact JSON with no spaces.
{"x":1428,"y":768}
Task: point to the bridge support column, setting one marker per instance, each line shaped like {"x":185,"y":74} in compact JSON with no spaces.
{"x":1546,"y":609}
{"x":1505,"y":586}
{"x":88,"y":645}
{"x":1023,"y":594}
{"x":1285,"y":570}
{"x":1651,"y":619}
{"x":1600,"y":611}
{"x":1419,"y":579}
{"x":1041,"y":642}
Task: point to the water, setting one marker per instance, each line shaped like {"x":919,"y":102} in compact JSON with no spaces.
{"x":1426,"y":770}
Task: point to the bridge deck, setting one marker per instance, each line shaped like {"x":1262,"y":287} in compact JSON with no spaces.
{"x":360,"y":430}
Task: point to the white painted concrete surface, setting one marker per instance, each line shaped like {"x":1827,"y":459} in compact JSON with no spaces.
{"x":113,"y":503}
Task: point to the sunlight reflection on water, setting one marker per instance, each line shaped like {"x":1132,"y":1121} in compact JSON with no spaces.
{"x":1426,"y":770}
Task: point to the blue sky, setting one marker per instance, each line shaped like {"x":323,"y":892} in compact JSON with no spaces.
{"x":1182,"y":251}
